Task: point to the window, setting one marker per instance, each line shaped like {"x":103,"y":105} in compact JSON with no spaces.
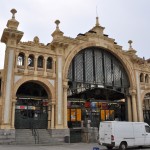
{"x":31,"y":60}
{"x":49,"y":63}
{"x":141,"y":77}
{"x":146,"y":79}
{"x":20,"y":59}
{"x":147,"y":128}
{"x":40,"y":62}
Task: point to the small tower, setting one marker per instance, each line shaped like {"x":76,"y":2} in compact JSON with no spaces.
{"x":98,"y":29}
{"x":57,"y":33}
{"x":131,"y":50}
{"x":11,"y":37}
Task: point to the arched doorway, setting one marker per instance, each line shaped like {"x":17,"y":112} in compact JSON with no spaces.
{"x":98,"y":85}
{"x":146,"y":108}
{"x":31,"y":107}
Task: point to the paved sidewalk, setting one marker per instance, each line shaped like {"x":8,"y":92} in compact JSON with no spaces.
{"x":72,"y":146}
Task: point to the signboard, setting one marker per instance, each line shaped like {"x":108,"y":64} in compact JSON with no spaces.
{"x":78,"y":114}
{"x":74,"y":114}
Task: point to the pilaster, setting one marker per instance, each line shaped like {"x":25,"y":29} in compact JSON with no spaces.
{"x":134,"y":104}
{"x":11,"y":37}
{"x":65,"y":87}
{"x":129,"y":108}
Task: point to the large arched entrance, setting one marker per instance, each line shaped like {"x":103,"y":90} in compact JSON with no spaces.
{"x":31,"y":107}
{"x":98,"y":85}
{"x":146,"y":108}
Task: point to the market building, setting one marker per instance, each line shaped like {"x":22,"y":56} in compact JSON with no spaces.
{"x":70,"y":83}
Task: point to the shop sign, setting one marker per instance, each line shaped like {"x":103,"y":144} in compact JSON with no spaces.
{"x":87,"y":104}
{"x":21,"y":107}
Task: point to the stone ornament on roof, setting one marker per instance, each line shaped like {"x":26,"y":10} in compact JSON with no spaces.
{"x":131,"y":51}
{"x":36,"y":40}
{"x":133,"y":57}
{"x":13,"y":23}
{"x":13,"y":11}
{"x":57,"y":33}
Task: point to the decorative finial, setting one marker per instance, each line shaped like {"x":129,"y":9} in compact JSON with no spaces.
{"x":36,"y":39}
{"x":57,"y":23}
{"x":130,"y":44}
{"x":97,"y":21}
{"x":13,"y":11}
{"x":131,"y":50}
{"x":57,"y":33}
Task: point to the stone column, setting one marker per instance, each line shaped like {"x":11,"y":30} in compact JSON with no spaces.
{"x":139,"y":102}
{"x":60,"y":92}
{"x":35,"y":64}
{"x":16,"y":64}
{"x":54,"y":66}
{"x":26,"y":63}
{"x":65,"y":87}
{"x":13,"y":113}
{"x":129,"y":108}
{"x":52,"y":116}
{"x":8,"y":88}
{"x":144,"y":77}
{"x":45,"y":66}
{"x":134,"y":105}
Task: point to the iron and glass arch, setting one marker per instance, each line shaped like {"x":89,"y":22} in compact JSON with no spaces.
{"x":96,"y":68}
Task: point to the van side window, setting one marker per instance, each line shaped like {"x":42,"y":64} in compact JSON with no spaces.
{"x":147,"y":128}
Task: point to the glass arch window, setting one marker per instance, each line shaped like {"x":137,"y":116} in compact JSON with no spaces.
{"x":21,"y":58}
{"x":49,"y":62}
{"x":40,"y":62}
{"x":31,"y":60}
{"x":96,"y":66}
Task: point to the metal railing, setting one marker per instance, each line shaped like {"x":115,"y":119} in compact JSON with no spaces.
{"x":36,"y":135}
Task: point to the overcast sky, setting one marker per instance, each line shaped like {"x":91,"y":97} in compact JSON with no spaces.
{"x":123,"y":20}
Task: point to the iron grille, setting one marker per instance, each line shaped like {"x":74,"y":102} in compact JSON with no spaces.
{"x":95,"y":66}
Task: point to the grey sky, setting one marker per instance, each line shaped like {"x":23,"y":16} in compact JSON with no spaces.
{"x":123,"y":20}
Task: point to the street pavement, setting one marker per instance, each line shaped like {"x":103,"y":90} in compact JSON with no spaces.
{"x":72,"y":146}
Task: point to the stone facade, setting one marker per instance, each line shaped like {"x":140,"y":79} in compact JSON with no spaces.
{"x":61,"y":51}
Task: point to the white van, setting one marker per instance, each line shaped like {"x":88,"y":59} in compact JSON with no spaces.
{"x":124,"y":134}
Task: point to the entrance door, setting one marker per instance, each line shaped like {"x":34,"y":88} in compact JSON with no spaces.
{"x":31,"y":114}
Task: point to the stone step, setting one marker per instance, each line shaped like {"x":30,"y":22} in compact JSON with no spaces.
{"x":24,"y":136}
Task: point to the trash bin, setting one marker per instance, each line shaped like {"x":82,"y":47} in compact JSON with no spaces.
{"x":67,"y":139}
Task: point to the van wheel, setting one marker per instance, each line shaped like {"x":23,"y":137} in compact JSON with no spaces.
{"x":123,"y":146}
{"x":109,"y":147}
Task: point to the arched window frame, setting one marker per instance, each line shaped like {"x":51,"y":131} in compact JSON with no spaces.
{"x":141,"y":77}
{"x":21,"y":59}
{"x":40,"y":62}
{"x":49,"y":63}
{"x":146,"y":78}
{"x":31,"y":60}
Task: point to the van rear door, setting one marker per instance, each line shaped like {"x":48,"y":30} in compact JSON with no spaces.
{"x":105,"y":132}
{"x":108,"y":133}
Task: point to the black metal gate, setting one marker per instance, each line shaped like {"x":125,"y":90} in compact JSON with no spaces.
{"x":31,"y":113}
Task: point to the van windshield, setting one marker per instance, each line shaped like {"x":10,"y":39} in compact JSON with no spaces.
{"x":147,"y":128}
